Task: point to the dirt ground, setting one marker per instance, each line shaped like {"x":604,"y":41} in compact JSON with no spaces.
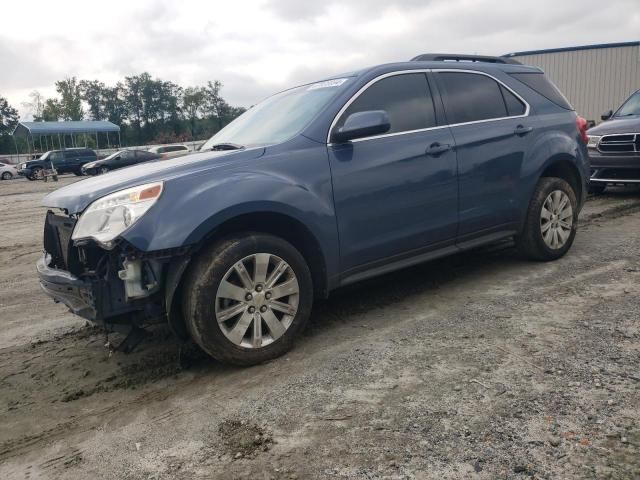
{"x":478,"y":366}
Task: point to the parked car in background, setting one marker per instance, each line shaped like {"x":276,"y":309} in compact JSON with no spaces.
{"x":318,"y":187}
{"x":7,"y":171}
{"x":614,"y":147}
{"x":170,"y":151}
{"x":70,"y":160}
{"x":122,"y":158}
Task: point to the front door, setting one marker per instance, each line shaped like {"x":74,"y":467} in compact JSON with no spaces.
{"x":395,"y":194}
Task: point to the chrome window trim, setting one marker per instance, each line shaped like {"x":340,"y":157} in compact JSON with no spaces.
{"x":423,"y":70}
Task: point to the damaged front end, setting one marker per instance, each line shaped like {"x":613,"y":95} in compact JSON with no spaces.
{"x":120,"y":288}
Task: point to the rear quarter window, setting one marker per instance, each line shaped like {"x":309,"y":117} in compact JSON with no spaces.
{"x":545,"y":87}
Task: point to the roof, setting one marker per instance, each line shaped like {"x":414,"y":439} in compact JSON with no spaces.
{"x":573,"y":49}
{"x":54,"y":128}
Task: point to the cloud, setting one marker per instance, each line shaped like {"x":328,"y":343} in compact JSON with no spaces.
{"x":257,"y":47}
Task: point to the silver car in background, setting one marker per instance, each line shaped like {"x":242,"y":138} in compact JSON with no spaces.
{"x":7,"y":171}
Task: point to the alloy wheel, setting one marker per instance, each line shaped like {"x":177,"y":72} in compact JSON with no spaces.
{"x":556,"y":219}
{"x":257,"y":300}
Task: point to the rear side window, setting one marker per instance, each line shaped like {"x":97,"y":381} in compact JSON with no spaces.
{"x":469,"y":97}
{"x":541,"y":84}
{"x":406,"y":98}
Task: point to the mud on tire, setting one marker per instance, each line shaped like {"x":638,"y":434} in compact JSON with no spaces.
{"x":531,"y":242}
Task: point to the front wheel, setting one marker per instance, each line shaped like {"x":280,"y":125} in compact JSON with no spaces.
{"x":104,"y":170}
{"x":7,"y":176}
{"x":551,"y":222}
{"x":246,"y":298}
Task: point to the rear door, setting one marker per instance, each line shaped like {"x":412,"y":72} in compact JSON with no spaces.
{"x":71,"y":160}
{"x":393,"y":199}
{"x":489,"y":123}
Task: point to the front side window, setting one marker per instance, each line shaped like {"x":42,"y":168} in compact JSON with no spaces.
{"x":405,"y":97}
{"x":470,"y":97}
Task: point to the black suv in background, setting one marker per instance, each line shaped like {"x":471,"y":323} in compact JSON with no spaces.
{"x":119,"y":159}
{"x":614,"y":147}
{"x":70,"y":160}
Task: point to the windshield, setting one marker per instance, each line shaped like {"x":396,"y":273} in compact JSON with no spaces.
{"x":630,"y":107}
{"x":279,"y":117}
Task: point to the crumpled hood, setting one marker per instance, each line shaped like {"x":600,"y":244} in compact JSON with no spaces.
{"x":617,"y":125}
{"x":76,"y":197}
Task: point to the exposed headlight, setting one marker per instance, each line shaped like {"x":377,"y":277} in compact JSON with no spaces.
{"x":593,"y":141}
{"x":109,"y":216}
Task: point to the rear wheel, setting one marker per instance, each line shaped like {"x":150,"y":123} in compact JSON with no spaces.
{"x":7,"y":175}
{"x":551,"y":222}
{"x":597,"y":188}
{"x":246,"y":298}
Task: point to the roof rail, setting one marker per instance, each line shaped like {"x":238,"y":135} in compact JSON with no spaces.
{"x":452,"y":57}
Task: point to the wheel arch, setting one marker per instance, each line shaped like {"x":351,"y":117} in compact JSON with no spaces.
{"x":564,"y":166}
{"x":278,"y":224}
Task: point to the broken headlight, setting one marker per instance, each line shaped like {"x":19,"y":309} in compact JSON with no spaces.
{"x":109,"y":216}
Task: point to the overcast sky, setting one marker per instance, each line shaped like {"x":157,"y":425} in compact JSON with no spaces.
{"x":256,"y":47}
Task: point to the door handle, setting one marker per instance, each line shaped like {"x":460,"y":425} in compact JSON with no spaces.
{"x":522,"y":130}
{"x":436,"y":149}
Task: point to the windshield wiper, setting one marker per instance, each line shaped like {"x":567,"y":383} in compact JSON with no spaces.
{"x":226,"y":146}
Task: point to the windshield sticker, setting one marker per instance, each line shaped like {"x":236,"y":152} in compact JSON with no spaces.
{"x":327,"y":84}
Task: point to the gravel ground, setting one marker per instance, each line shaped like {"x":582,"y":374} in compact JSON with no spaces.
{"x":477,"y":366}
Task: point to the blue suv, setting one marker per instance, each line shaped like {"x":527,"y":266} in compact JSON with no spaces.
{"x":317,"y":187}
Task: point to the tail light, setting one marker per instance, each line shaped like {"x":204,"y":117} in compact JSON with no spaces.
{"x":581,"y":123}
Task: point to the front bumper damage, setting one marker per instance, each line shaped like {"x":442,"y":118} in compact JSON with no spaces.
{"x":65,"y":288}
{"x":118,"y":287}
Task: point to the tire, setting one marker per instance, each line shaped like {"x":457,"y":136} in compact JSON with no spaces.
{"x":597,"y":188}
{"x":104,"y":170}
{"x":7,"y":176}
{"x":234,"y":340}
{"x":37,"y":173}
{"x":532,"y":242}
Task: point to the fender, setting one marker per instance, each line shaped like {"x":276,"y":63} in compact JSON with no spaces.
{"x":549,"y":148}
{"x":192,"y":207}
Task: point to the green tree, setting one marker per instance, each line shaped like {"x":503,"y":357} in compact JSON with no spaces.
{"x":70,"y":99}
{"x":52,"y":110}
{"x":9,"y":117}
{"x":193,"y":106}
{"x":92,"y":92}
{"x":114,"y":104}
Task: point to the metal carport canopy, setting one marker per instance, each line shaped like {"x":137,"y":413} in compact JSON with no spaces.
{"x":64,"y":128}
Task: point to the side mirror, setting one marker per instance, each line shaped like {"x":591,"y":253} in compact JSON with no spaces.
{"x":363,"y":124}
{"x":607,"y":115}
